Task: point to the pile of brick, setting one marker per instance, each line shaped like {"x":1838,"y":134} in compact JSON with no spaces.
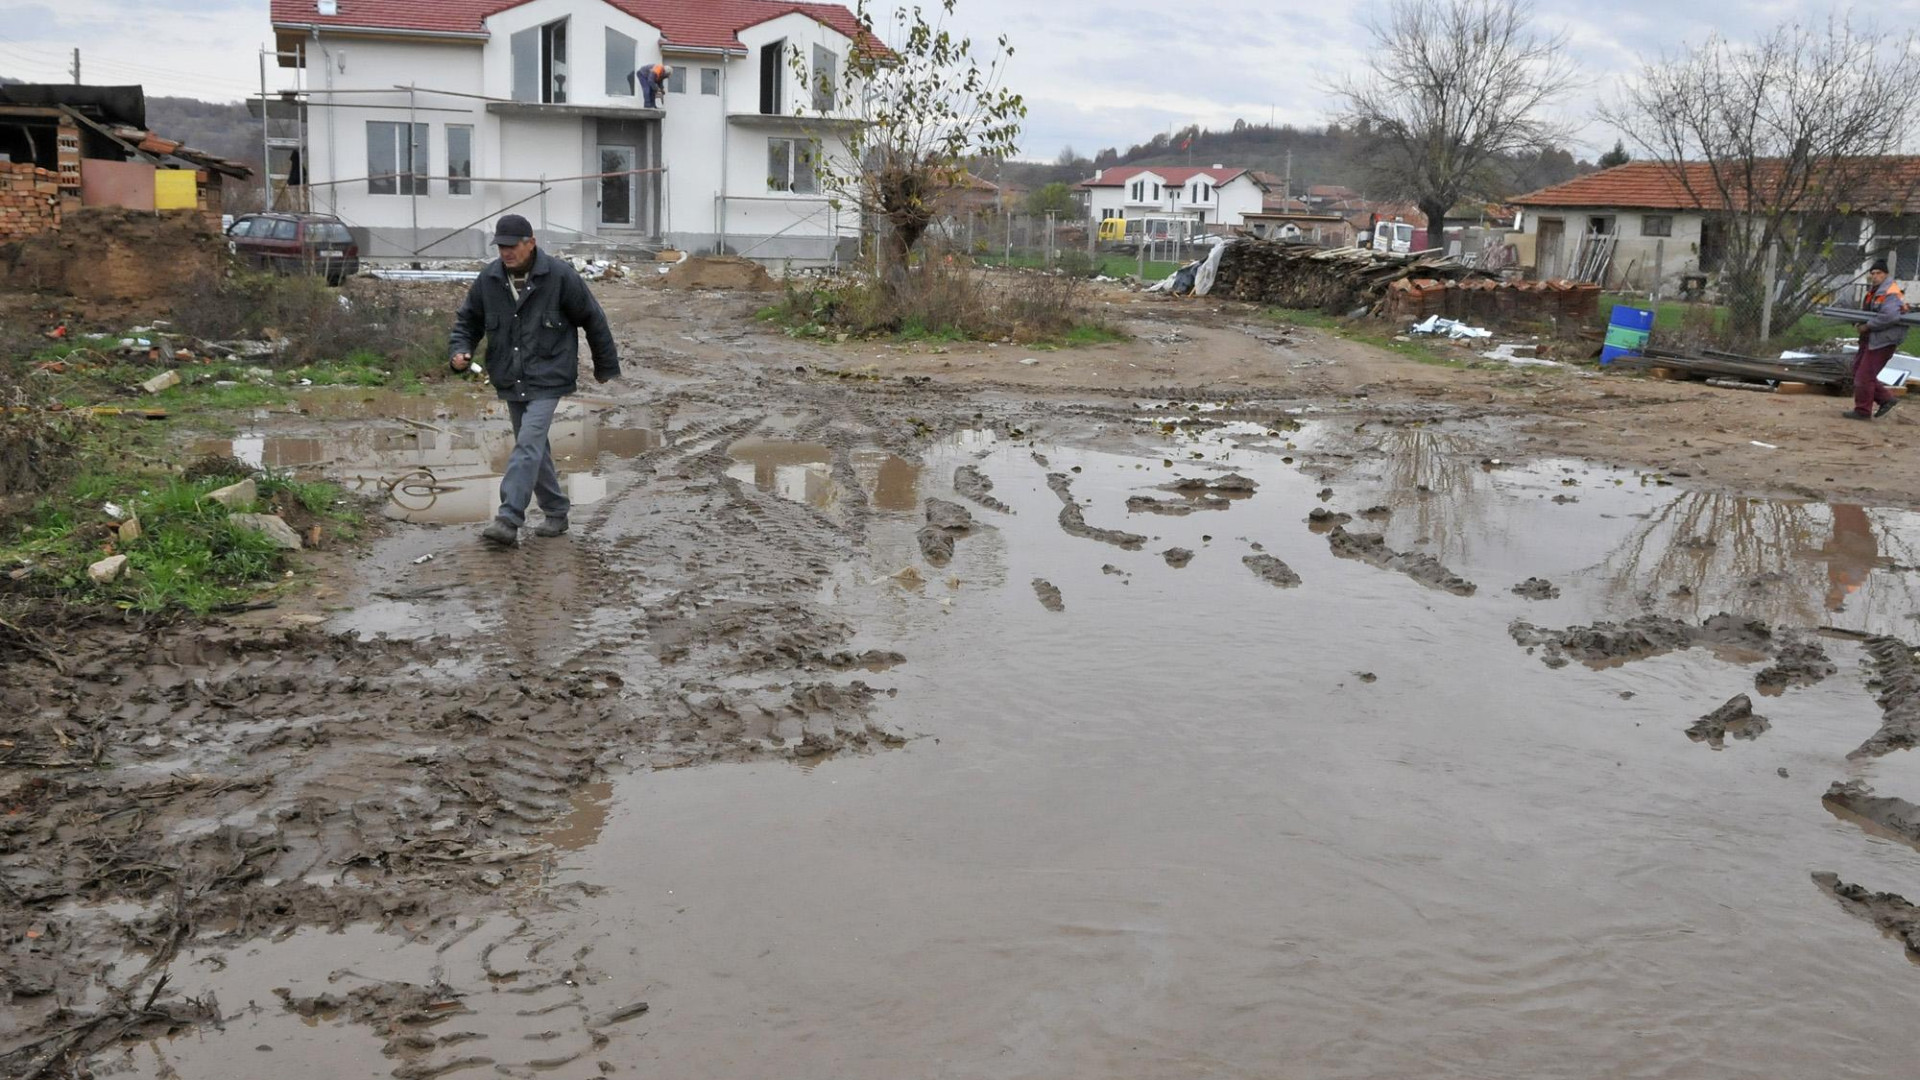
{"x":1483,"y":300}
{"x":29,"y":200}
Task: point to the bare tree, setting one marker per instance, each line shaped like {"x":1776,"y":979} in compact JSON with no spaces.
{"x":1452,"y":89}
{"x":914,"y":105}
{"x":1780,"y":141}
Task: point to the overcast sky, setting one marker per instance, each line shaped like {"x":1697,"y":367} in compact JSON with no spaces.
{"x":1094,"y":75}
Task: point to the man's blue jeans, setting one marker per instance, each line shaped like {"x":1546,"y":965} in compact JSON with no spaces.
{"x":530,"y":471}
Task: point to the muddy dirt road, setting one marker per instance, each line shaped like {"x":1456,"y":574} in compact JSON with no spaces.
{"x":1137,"y":767}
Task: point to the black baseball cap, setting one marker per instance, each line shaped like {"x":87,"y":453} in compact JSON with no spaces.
{"x":510,"y":230}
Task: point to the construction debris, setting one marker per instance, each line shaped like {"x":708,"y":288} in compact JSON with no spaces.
{"x":1452,"y":328}
{"x":1409,"y":287}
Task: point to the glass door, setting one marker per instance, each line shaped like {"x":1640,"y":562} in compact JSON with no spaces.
{"x":617,"y":202}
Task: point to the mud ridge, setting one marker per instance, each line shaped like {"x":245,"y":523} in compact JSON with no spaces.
{"x":1896,"y":680}
{"x":1074,"y":523}
{"x":1049,"y":595}
{"x":1608,"y":643}
{"x":1889,"y":911}
{"x":973,"y":484}
{"x":1372,"y":549}
{"x":1855,"y":801}
{"x":1147,"y":504}
{"x":1272,"y":570}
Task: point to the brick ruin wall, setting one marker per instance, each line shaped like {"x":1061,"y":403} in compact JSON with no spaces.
{"x":29,"y":200}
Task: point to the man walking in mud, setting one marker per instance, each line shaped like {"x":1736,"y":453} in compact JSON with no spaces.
{"x":530,"y":307}
{"x":1881,"y":335}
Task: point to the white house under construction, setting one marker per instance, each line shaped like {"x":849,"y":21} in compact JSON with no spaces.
{"x":419,"y":123}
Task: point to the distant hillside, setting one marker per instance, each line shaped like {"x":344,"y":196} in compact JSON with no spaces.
{"x":219,"y":128}
{"x":1331,"y":155}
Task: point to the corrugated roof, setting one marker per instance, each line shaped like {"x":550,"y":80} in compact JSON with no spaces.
{"x":700,"y":24}
{"x":1170,"y":176}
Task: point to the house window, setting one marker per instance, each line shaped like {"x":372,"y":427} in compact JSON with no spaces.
{"x":773,"y":78}
{"x":710,"y":82}
{"x":1656,"y":225}
{"x":1156,"y":193}
{"x":790,"y":166}
{"x":621,"y":63}
{"x":677,"y":80}
{"x":1139,"y":187}
{"x":459,"y":159}
{"x":540,"y":63}
{"x":826,"y":73}
{"x":393,"y":166}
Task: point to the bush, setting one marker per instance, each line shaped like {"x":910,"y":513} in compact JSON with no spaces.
{"x":37,"y":448}
{"x":321,"y":325}
{"x":1078,"y":264}
{"x":941,"y":298}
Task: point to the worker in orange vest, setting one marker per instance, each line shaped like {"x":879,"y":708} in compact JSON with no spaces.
{"x":1881,"y":335}
{"x":653,"y":85}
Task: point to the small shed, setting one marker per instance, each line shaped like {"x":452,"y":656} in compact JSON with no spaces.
{"x":66,"y":147}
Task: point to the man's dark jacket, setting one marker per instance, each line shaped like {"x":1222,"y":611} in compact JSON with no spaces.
{"x":533,"y":347}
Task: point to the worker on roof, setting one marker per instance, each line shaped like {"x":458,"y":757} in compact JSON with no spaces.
{"x":1879,"y":337}
{"x":653,"y":85}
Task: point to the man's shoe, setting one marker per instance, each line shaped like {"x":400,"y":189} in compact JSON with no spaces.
{"x":1855,"y":414}
{"x":500,"y":533}
{"x":1885,"y":408}
{"x":551,"y":527}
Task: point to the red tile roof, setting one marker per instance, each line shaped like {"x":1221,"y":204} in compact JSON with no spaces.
{"x":1653,"y":185}
{"x":701,"y":24}
{"x":1170,"y":176}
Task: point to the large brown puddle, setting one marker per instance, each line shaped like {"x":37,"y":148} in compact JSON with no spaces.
{"x":1195,"y":824}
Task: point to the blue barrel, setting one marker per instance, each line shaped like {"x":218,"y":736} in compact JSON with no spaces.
{"x":1627,"y":333}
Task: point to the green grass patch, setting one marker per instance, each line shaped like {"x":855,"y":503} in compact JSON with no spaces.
{"x":1674,"y":322}
{"x":1368,"y":333}
{"x":189,"y":556}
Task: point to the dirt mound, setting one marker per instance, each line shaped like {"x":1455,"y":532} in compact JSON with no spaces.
{"x":1177,"y":557}
{"x":1372,"y":549}
{"x":1798,"y":663}
{"x":1536,"y":589}
{"x":720,"y":272}
{"x":946,"y":522}
{"x":108,"y":253}
{"x":1889,"y":911}
{"x":1735,"y":718}
{"x":1896,"y":677}
{"x":1855,"y":801}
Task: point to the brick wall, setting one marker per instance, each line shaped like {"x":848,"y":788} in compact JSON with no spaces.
{"x":29,"y":200}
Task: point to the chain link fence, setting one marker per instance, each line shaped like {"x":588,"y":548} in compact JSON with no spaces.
{"x":1068,"y":242}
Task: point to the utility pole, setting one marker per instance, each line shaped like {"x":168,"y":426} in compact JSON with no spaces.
{"x":76,"y":66}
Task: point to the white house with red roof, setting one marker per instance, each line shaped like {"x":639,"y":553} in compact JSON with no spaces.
{"x":1215,"y":198}
{"x":426,"y":119}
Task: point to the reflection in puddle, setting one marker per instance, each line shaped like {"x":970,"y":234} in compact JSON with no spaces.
{"x":582,"y":826}
{"x":442,"y":471}
{"x":803,"y":472}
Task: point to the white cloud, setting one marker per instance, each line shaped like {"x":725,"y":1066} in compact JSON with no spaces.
{"x":1093,"y":75}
